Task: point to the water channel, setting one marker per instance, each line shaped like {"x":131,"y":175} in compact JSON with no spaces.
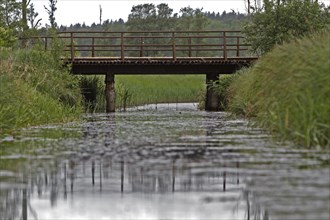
{"x":173,"y":162}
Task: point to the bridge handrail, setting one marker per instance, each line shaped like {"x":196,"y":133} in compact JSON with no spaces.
{"x":171,"y":43}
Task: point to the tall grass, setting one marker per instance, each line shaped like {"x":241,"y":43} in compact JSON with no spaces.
{"x":288,"y":91}
{"x":147,"y":89}
{"x":35,"y":89}
{"x":137,"y":90}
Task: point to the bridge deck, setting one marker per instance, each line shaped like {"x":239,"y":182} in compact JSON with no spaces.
{"x":157,"y":65}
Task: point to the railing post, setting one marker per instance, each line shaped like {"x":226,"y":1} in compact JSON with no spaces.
{"x":189,"y":46}
{"x":141,"y":48}
{"x":93,"y":47}
{"x":122,"y":45}
{"x":173,"y":46}
{"x":72,"y":47}
{"x":224,"y":45}
{"x":237,"y":48}
{"x":46,"y":43}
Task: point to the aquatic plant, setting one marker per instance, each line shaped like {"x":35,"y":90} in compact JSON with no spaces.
{"x":123,"y":96}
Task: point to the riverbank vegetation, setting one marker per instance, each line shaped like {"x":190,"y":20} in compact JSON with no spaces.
{"x":35,"y":89}
{"x":288,"y":91}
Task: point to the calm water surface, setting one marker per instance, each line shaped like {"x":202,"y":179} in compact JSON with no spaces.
{"x":171,"y":163}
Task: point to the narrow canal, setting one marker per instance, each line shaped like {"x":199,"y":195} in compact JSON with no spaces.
{"x":171,"y":163}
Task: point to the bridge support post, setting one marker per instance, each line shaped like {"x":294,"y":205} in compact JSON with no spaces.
{"x":110,"y":92}
{"x":212,"y":100}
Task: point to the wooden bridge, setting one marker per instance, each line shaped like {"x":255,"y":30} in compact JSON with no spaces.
{"x":155,"y":52}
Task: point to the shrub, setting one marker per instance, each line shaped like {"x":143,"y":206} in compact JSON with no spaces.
{"x":7,"y":38}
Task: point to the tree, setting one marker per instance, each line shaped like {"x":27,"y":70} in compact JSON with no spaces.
{"x":186,"y":19}
{"x":100,"y":15}
{"x":24,"y":15}
{"x":32,"y":17}
{"x":283,"y":20}
{"x":200,"y":21}
{"x":10,"y":12}
{"x":51,"y":13}
{"x":142,"y":18}
{"x":165,"y":20}
{"x":254,"y":7}
{"x":192,"y":19}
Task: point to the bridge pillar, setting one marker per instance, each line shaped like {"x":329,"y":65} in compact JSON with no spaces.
{"x":212,"y":100}
{"x":110,"y":105}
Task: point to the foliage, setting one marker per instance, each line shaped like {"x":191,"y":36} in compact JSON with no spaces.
{"x":10,"y":12}
{"x":89,"y":89}
{"x":7,"y":38}
{"x":145,"y":17}
{"x":51,"y":12}
{"x":35,"y":89}
{"x":192,"y":19}
{"x":281,"y":21}
{"x":288,"y":91}
{"x":142,"y":18}
{"x":221,"y":87}
{"x":33,"y":17}
{"x":15,"y":14}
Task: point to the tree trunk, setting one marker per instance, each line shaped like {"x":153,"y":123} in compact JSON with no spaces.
{"x":24,"y":22}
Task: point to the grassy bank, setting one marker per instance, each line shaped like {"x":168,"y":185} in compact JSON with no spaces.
{"x":35,"y":89}
{"x":145,"y":89}
{"x":288,"y":91}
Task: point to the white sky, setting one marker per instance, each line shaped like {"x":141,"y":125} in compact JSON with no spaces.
{"x":77,"y":11}
{"x":80,"y":11}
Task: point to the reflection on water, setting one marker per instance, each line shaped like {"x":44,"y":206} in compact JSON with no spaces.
{"x":173,"y":163}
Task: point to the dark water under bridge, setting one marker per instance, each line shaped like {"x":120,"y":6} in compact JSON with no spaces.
{"x":155,"y":52}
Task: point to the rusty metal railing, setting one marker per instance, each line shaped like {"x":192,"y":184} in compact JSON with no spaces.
{"x":156,"y":44}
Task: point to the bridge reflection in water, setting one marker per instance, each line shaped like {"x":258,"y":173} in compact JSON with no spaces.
{"x":136,"y":192}
{"x":74,"y":181}
{"x":155,"y":52}
{"x":127,"y":177}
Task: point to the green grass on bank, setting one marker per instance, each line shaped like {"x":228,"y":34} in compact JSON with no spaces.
{"x":134,"y":90}
{"x":288,"y":91}
{"x":35,"y":90}
{"x":162,"y":88}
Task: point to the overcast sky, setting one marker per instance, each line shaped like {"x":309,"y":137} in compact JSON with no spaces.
{"x":77,"y":11}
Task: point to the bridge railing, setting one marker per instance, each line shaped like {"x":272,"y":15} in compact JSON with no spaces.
{"x":156,"y":44}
